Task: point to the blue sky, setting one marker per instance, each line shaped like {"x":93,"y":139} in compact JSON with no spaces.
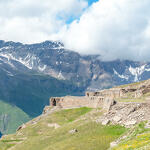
{"x":91,"y":1}
{"x":72,"y":18}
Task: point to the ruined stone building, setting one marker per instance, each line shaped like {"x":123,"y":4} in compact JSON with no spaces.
{"x":103,"y":98}
{"x":91,"y":99}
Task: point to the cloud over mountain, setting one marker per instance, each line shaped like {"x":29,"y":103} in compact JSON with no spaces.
{"x":36,"y":20}
{"x":112,"y":28}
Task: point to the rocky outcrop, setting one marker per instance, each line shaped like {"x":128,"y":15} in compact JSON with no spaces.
{"x":127,"y":114}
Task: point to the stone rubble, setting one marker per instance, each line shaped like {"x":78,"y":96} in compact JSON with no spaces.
{"x":127,"y":114}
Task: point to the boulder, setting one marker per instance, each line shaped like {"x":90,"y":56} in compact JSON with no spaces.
{"x":105,"y":122}
{"x":73,"y":131}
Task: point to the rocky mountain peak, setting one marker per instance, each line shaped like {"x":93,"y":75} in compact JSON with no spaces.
{"x":51,"y":58}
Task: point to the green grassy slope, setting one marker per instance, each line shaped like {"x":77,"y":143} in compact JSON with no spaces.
{"x":90,"y":135}
{"x":138,"y":138}
{"x":11,"y":117}
{"x":31,"y":92}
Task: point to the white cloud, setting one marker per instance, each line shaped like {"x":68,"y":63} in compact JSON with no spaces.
{"x":112,"y":28}
{"x":36,"y":20}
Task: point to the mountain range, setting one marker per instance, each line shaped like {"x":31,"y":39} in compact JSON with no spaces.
{"x":31,"y":73}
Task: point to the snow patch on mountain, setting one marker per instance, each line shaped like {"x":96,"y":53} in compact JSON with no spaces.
{"x":5,"y":48}
{"x":133,"y":72}
{"x":120,"y":76}
{"x":60,"y":76}
{"x":58,"y":48}
{"x":42,"y":68}
{"x":138,"y":71}
{"x":28,"y":61}
{"x":6,"y":60}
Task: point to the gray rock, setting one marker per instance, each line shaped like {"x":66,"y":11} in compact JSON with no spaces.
{"x":105,"y":122}
{"x":129,"y":123}
{"x":73,"y":131}
{"x":117,"y":118}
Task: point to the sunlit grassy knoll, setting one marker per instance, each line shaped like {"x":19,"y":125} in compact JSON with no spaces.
{"x":90,"y":135}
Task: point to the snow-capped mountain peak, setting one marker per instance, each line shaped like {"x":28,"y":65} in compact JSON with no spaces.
{"x":51,"y":58}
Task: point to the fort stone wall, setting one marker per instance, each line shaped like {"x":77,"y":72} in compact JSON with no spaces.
{"x":114,"y":93}
{"x":73,"y":101}
{"x":103,"y":98}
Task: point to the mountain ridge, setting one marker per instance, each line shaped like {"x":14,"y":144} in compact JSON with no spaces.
{"x":53,"y":59}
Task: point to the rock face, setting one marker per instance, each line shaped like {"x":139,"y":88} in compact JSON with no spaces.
{"x":128,"y":114}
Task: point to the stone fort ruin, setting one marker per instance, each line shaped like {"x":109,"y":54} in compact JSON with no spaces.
{"x":103,"y":98}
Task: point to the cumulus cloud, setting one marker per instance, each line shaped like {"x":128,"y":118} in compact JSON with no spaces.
{"x":36,"y":20}
{"x":115,"y":29}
